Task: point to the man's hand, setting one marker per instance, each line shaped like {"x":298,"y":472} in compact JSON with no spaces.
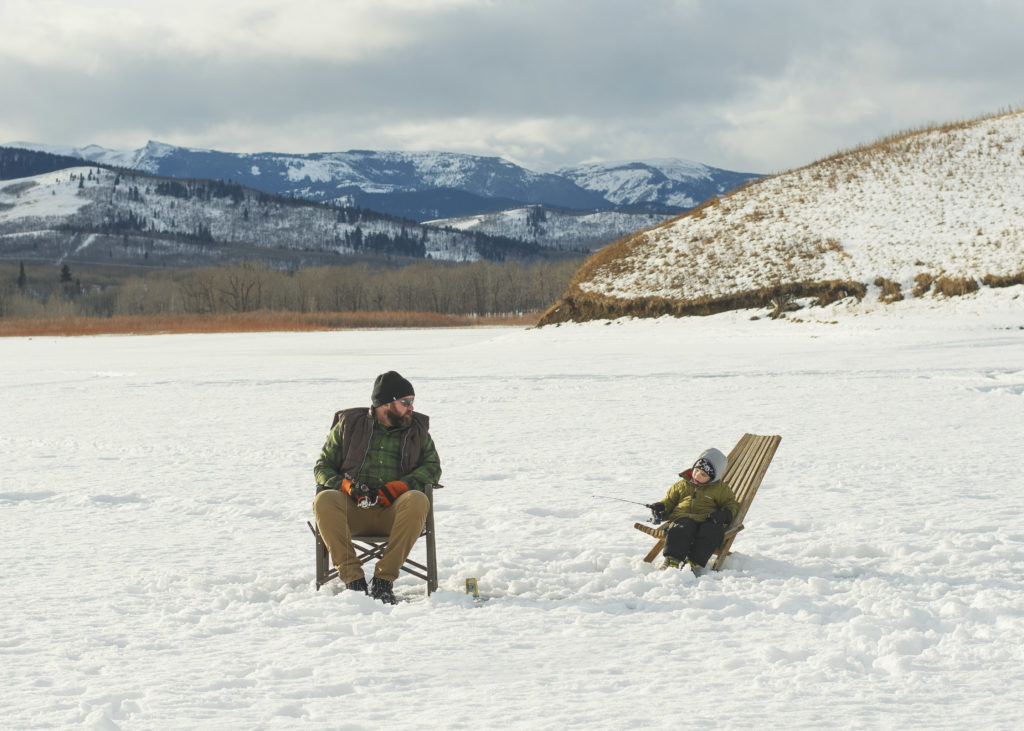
{"x":390,"y":492}
{"x":657,"y":512}
{"x":359,"y":492}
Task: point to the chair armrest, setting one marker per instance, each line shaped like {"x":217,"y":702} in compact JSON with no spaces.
{"x":733,"y":530}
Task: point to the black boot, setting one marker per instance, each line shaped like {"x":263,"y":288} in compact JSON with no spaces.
{"x":382,"y":589}
{"x":357,"y":585}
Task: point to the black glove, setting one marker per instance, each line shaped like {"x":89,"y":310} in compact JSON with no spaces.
{"x":722,"y":515}
{"x":657,"y":512}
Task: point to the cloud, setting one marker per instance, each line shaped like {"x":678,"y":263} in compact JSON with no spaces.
{"x":754,"y":86}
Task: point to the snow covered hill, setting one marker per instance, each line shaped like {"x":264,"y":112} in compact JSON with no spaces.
{"x":554,"y":229}
{"x":671,"y":183}
{"x":95,"y":215}
{"x":940,"y":210}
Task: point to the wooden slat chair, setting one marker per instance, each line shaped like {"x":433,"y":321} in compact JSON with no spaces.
{"x":369,"y":548}
{"x":748,"y":461}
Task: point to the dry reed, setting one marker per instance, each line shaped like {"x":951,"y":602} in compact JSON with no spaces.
{"x":954,"y":286}
{"x":260,"y":321}
{"x":890,"y":290}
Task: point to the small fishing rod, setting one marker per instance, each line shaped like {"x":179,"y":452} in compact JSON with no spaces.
{"x":609,"y":497}
{"x":654,"y":517}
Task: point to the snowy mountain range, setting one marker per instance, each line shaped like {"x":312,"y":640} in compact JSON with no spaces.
{"x":575,"y":209}
{"x":935,"y":211}
{"x":430,"y":185}
{"x":109,"y":216}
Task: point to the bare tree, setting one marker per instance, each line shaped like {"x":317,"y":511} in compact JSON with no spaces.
{"x":241,"y":286}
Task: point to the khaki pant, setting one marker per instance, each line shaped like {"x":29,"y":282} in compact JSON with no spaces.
{"x":339,"y":518}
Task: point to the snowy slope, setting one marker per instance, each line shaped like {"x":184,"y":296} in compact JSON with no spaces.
{"x":129,"y":159}
{"x":98,"y":215}
{"x":158,"y":573}
{"x":669,"y":182}
{"x":55,"y":194}
{"x":555,"y":229}
{"x":948,"y":201}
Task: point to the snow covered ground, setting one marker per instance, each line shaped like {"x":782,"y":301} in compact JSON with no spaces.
{"x":157,"y":571}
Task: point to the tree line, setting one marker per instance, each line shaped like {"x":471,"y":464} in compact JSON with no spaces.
{"x":478,"y":288}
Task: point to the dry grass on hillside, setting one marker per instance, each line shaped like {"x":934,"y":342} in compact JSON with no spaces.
{"x":583,"y":306}
{"x":887,"y":142}
{"x":262,"y":321}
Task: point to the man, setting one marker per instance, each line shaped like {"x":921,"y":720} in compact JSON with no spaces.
{"x":370,"y":479}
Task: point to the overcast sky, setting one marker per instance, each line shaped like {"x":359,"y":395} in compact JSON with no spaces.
{"x":750,"y":86}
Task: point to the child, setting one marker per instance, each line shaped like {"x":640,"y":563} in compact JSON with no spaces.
{"x":696,"y":511}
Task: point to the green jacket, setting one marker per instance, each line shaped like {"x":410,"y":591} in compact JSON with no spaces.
{"x":686,"y":499}
{"x":360,"y":446}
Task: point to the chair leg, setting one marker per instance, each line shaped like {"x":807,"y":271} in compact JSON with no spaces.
{"x":653,"y":553}
{"x":324,"y":570}
{"x":431,"y":546}
{"x":722,"y":551}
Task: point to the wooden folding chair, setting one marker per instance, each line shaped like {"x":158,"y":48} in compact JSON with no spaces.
{"x":369,"y":548}
{"x":748,"y":461}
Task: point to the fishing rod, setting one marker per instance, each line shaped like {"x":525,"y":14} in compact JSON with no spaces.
{"x":609,"y":497}
{"x":655,"y":518}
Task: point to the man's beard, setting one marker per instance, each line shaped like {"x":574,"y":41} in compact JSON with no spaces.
{"x":397,"y":420}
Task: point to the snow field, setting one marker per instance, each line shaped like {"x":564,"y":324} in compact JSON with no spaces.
{"x":158,"y":572}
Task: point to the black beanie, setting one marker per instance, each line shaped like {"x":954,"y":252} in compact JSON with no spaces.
{"x":390,"y":387}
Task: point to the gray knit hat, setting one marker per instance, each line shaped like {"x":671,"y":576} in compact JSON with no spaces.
{"x":390,"y":387}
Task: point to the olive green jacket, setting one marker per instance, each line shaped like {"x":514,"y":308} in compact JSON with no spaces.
{"x":686,"y":499}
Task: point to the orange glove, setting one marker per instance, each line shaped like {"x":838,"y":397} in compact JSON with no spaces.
{"x":390,"y":492}
{"x":356,"y":491}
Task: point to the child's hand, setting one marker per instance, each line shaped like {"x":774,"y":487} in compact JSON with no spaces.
{"x":722,"y":515}
{"x":657,"y":512}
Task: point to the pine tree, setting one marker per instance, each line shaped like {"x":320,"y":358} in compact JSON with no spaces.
{"x":65,"y":274}
{"x":22,"y":278}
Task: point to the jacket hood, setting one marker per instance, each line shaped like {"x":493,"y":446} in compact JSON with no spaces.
{"x":718,"y":461}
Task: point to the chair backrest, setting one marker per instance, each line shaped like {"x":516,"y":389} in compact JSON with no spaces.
{"x":748,"y":461}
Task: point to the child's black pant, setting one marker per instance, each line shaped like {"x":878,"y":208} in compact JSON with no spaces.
{"x":688,"y":539}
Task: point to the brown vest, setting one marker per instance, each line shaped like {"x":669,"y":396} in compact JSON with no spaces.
{"x":356,"y":428}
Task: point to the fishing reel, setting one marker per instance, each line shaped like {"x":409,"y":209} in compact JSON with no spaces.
{"x":362,"y":494}
{"x":657,"y":513}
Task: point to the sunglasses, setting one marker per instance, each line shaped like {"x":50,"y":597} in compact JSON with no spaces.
{"x":406,"y":402}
